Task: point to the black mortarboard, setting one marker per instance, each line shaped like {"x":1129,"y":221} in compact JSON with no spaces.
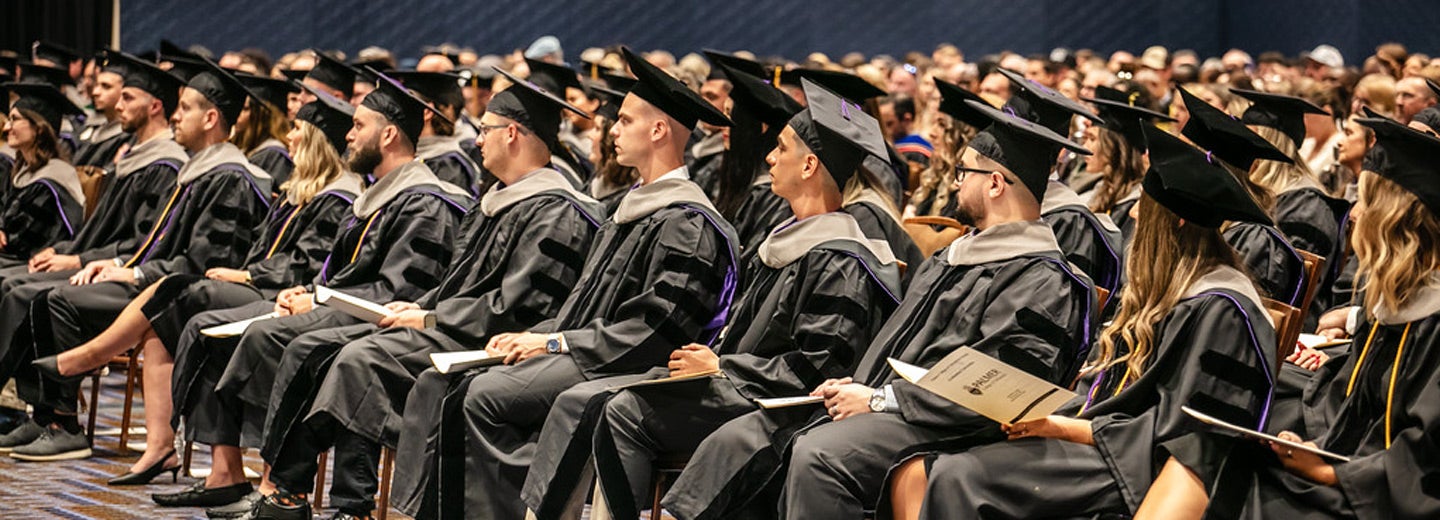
{"x":362,"y":75}
{"x":60,"y":55}
{"x":332,"y":116}
{"x":482,"y":78}
{"x":733,"y":62}
{"x":222,"y":89}
{"x":1040,"y":104}
{"x":399,"y":106}
{"x":533,"y":107}
{"x":849,"y":86}
{"x":1407,"y":157}
{"x":592,"y":70}
{"x":145,"y":76}
{"x":619,"y":82}
{"x":553,"y":78}
{"x":670,"y":95}
{"x":1281,"y":112}
{"x":37,"y":74}
{"x":838,"y":131}
{"x":169,"y":49}
{"x":952,"y":103}
{"x":1225,"y":136}
{"x":759,"y":97}
{"x":1121,"y":116}
{"x":295,"y":75}
{"x":276,"y":92}
{"x":440,"y":87}
{"x":333,"y":73}
{"x":46,"y":101}
{"x":184,"y":68}
{"x":1026,"y":148}
{"x":610,"y":101}
{"x":1190,"y":183}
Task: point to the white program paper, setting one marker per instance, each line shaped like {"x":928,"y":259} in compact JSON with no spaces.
{"x":357,"y":307}
{"x":233,"y":329}
{"x":987,"y":386}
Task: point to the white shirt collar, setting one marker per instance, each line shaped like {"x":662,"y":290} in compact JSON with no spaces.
{"x":681,"y":173}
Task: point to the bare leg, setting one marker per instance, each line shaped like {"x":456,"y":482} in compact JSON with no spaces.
{"x":1176,"y":493}
{"x":159,"y":436}
{"x":907,"y":489}
{"x":267,"y":487}
{"x":122,"y":335}
{"x":227,"y":467}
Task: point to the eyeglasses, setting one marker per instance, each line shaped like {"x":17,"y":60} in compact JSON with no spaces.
{"x":485,"y":129}
{"x":961,"y":172}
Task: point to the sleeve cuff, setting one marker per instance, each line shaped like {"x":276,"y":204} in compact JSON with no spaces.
{"x":1352,"y":321}
{"x":429,"y":319}
{"x":892,"y":404}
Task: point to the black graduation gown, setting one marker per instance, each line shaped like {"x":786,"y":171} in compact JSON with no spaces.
{"x":1121,"y":215}
{"x":39,"y":215}
{"x":1215,"y":352}
{"x":1309,"y":219}
{"x":129,"y":204}
{"x":795,"y":325}
{"x":449,"y":162}
{"x":98,"y":147}
{"x":877,"y":223}
{"x":273,"y":157}
{"x":523,"y":248}
{"x":758,"y":215}
{"x":1278,"y":271}
{"x":1024,"y":306}
{"x":1387,"y":425}
{"x":661,"y":274}
{"x":1092,"y":245}
{"x":706,"y":172}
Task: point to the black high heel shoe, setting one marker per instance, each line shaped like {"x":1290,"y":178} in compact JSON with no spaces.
{"x":49,"y":368}
{"x":148,"y":474}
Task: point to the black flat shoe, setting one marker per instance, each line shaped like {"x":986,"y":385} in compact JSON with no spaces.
{"x":148,"y":474}
{"x":49,"y":368}
{"x":199,"y":496}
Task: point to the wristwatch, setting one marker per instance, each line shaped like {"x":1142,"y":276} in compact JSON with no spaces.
{"x":552,"y":345}
{"x":877,"y":400}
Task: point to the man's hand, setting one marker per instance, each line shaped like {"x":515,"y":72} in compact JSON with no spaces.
{"x":1303,"y":463}
{"x":399,"y":307}
{"x":819,"y":391}
{"x":228,"y":275}
{"x":413,"y":318}
{"x":1052,"y":427}
{"x":1332,"y":324}
{"x":693,"y":359}
{"x":43,"y":256}
{"x":293,"y":301}
{"x":111,"y":273}
{"x":847,"y":400}
{"x":517,"y":347}
{"x":88,"y":273}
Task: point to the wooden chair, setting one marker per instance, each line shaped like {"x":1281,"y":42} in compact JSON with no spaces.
{"x":93,"y":183}
{"x":382,"y":499}
{"x":927,"y":238}
{"x":132,"y":362}
{"x":1288,"y":322}
{"x":1314,"y":274}
{"x":665,"y":468}
{"x":1102,"y":297}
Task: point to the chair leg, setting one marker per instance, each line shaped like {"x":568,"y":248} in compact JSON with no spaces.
{"x":94,"y":408}
{"x":387,"y":472}
{"x":319,"y":499}
{"x":132,"y":374}
{"x":187,"y":457}
{"x":659,"y":491}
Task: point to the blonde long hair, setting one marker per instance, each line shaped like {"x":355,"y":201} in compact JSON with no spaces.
{"x":1397,"y":242}
{"x":1276,"y":175}
{"x":317,"y":164}
{"x":1125,"y":167}
{"x":1165,"y":259}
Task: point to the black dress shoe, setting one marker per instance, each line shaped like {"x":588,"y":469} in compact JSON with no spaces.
{"x":49,"y":367}
{"x":270,"y":508}
{"x":148,"y":474}
{"x":199,"y":496}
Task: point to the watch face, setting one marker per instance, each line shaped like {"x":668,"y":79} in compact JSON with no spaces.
{"x":552,"y":346}
{"x":877,"y":402}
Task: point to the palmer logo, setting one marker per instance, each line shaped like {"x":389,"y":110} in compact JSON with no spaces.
{"x":978,"y":386}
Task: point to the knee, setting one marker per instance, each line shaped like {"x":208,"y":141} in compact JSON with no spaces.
{"x":481,"y":399}
{"x":622,"y":413}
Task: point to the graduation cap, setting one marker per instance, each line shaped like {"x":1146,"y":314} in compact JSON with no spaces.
{"x":618,"y":81}
{"x":276,"y":92}
{"x":185,"y":68}
{"x":1226,"y":136}
{"x":670,"y":95}
{"x":533,"y":107}
{"x":952,"y":103}
{"x":732,"y":62}
{"x":60,"y":55}
{"x":477,"y":77}
{"x":332,"y":116}
{"x":399,"y":106}
{"x":145,"y":76}
{"x":295,"y":75}
{"x":553,"y":78}
{"x":750,"y":93}
{"x":1193,"y":185}
{"x":440,"y":87}
{"x":610,"y":100}
{"x":223,"y":89}
{"x":1281,"y":112}
{"x":850,"y":86}
{"x":333,"y":73}
{"x":36,"y":74}
{"x":45,"y":100}
{"x":1026,"y":148}
{"x":169,"y":49}
{"x":593,"y":70}
{"x":838,"y":131}
{"x":1040,"y":104}
{"x":1407,"y":157}
{"x":362,"y":75}
{"x":1116,"y":108}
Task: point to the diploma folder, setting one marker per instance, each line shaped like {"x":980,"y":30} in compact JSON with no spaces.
{"x":448,"y":362}
{"x":1257,"y":435}
{"x":230,"y":330}
{"x":357,"y":307}
{"x":987,"y":386}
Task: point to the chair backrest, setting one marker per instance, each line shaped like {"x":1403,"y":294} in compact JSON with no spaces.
{"x":1314,"y":274}
{"x":1102,"y":296}
{"x":93,"y":182}
{"x":1288,"y":323}
{"x":927,"y":238}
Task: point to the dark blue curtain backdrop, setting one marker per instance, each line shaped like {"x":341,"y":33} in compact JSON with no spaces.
{"x":790,"y":28}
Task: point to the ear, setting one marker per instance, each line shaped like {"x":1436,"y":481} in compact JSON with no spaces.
{"x":388,"y":135}
{"x":659,"y":130}
{"x":212,"y":118}
{"x":997,"y":184}
{"x":810,"y":167}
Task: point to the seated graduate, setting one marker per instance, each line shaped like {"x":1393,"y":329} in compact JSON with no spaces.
{"x":438,"y":146}
{"x":1119,"y":159}
{"x":208,"y":221}
{"x":612,"y":180}
{"x":1005,"y":290}
{"x":661,"y":275}
{"x":566,"y":152}
{"x":263,"y":125}
{"x":1388,"y":383}
{"x":399,"y":233}
{"x":743,"y":191}
{"x":1278,"y":271}
{"x":44,"y":203}
{"x":1191,"y":330}
{"x":815,"y":294}
{"x":520,"y":251}
{"x":295,"y":239}
{"x":103,"y":136}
